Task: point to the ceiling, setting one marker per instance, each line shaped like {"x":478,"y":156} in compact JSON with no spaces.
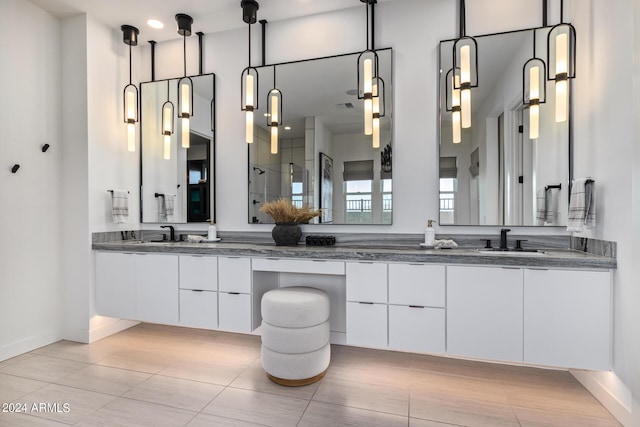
{"x":209,"y":16}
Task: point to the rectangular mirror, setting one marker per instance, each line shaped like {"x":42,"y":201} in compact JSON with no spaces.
{"x":180,"y":188}
{"x":497,"y":174}
{"x":324,"y":160}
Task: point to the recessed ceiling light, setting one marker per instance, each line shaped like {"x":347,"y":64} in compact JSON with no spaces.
{"x":154,"y":23}
{"x":287,"y":128}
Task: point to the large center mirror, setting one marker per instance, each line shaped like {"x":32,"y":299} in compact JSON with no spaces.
{"x":323,"y":160}
{"x":497,"y":174}
{"x":177,"y":183}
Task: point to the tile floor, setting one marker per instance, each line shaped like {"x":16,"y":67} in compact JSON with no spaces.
{"x":153,"y":375}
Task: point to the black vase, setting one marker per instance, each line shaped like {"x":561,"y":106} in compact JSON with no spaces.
{"x":286,"y":233}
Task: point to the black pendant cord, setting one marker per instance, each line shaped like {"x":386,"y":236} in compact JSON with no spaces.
{"x":168,"y":97}
{"x":373,"y":25}
{"x":534,"y":43}
{"x":545,"y":4}
{"x":129,"y":64}
{"x":184,"y":51}
{"x":463,"y":19}
{"x":249,"y":44}
{"x":274,"y":77}
{"x":562,"y":11}
{"x":367,"y":7}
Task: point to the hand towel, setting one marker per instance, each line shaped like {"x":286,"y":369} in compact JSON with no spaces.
{"x":169,"y":202}
{"x":582,"y":205}
{"x":551,"y":205}
{"x":162,"y":209}
{"x":119,"y":206}
{"x":541,"y":206}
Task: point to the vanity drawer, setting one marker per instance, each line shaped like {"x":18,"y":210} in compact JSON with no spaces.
{"x":367,"y":282}
{"x":234,"y":312}
{"x":199,"y":272}
{"x":234,"y":274}
{"x":298,"y":266}
{"x":420,"y":329}
{"x":198,"y":309}
{"x":367,"y":324}
{"x":417,"y":284}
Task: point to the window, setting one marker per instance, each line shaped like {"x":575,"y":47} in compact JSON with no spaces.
{"x":386,"y":201}
{"x":448,"y":188}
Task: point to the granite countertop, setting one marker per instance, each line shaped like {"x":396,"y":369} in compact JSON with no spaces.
{"x":554,"y":257}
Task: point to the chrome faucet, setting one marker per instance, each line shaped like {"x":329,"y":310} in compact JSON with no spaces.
{"x":172,"y":232}
{"x":503,"y":238}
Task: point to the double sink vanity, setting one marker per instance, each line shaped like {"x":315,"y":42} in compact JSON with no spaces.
{"x":551,"y":307}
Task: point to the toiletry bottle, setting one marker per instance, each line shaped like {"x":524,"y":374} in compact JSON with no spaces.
{"x":212,"y":232}
{"x":429,"y":234}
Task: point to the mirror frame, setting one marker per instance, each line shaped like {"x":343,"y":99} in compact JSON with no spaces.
{"x":570,"y":143}
{"x":390,"y":112}
{"x":212,"y":153}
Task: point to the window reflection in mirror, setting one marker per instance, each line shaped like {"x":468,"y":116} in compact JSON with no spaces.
{"x":321,"y":140}
{"x":496,"y":175}
{"x":181,"y":188}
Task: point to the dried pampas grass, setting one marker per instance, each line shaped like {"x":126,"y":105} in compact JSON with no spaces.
{"x":283,"y":211}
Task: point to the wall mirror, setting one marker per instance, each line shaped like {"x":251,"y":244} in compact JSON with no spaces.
{"x":180,"y":188}
{"x":497,"y":174}
{"x":324,"y":160}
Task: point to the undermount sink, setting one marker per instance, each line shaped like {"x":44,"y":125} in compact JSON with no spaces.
{"x":526,"y":252}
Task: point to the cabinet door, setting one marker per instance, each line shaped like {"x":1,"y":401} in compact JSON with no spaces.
{"x":115,"y":285}
{"x":418,"y":329}
{"x":234,"y":274}
{"x":417,"y":284}
{"x":367,"y":324}
{"x":484,"y":312}
{"x":367,"y":282}
{"x":157,"y":288}
{"x":234,"y":312}
{"x":567,"y":318}
{"x":198,"y":272}
{"x":199,"y":309}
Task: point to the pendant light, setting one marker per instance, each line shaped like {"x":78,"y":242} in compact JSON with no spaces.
{"x":534,"y":89}
{"x":249,"y":77}
{"x":465,"y":59}
{"x":452,"y":95}
{"x":561,"y":57}
{"x":167,"y":125}
{"x":377,"y":109}
{"x":185,"y":84}
{"x":274,"y":113}
{"x":367,"y":69}
{"x":130,"y":93}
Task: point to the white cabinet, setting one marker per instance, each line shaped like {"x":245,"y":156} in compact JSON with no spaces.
{"x":567,"y":318}
{"x":198,"y":309}
{"x":115,"y":285}
{"x":198,"y":291}
{"x":416,"y":307}
{"x":484,"y":312}
{"x":234,"y":312}
{"x":199,"y":272}
{"x":157,"y":288}
{"x":367,"y":324}
{"x":234,"y":294}
{"x":366,"y":292}
{"x":416,"y":328}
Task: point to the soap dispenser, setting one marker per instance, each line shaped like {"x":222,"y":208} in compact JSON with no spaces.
{"x":429,"y":234}
{"x":212,"y":232}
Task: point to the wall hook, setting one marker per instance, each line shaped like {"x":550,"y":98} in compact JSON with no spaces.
{"x":45,"y":147}
{"x":15,"y":168}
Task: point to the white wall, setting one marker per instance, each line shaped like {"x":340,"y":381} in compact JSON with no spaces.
{"x":30,"y":212}
{"x":604,"y":148}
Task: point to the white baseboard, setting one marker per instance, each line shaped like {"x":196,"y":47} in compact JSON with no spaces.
{"x":102,"y":327}
{"x":28,"y":344}
{"x":613,"y":398}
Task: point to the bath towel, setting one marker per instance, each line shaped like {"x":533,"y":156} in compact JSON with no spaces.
{"x":162,"y":208}
{"x":169,"y":202}
{"x":582,"y":205}
{"x":119,"y":206}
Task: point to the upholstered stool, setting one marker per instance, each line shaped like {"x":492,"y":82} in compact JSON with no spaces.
{"x":295,"y":335}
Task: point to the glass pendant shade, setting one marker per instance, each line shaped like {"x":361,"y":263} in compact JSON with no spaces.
{"x":534,"y":90}
{"x":561,"y":59}
{"x":130,"y":92}
{"x":465,"y":59}
{"x":274,"y":115}
{"x":367,"y":70}
{"x":249,"y":82}
{"x":185,"y":108}
{"x":167,"y":128}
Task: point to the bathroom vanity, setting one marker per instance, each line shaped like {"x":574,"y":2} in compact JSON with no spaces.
{"x":551,"y":308}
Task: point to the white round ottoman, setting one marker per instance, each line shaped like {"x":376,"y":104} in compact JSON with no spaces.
{"x":295,"y":335}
